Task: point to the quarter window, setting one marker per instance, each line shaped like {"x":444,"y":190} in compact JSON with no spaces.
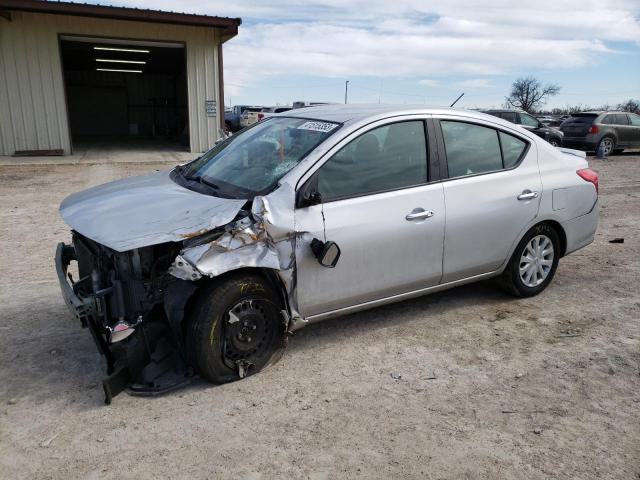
{"x":512,"y":149}
{"x":385,"y":158}
{"x":635,"y":119}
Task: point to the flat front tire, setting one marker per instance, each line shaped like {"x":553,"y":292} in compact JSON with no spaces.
{"x":235,"y":328}
{"x":533,"y":263}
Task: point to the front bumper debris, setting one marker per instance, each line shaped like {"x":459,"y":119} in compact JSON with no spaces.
{"x":143,"y":359}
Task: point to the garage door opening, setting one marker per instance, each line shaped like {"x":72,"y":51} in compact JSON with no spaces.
{"x":125,"y":95}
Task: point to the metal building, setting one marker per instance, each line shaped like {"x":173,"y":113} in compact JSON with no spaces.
{"x":76,"y":72}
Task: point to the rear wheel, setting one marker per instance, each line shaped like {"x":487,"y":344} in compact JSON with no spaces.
{"x":533,"y":263}
{"x":236,"y":328}
{"x":607,"y":144}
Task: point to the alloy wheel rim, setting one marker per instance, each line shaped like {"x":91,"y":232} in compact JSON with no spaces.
{"x":607,"y":144}
{"x":536,"y":261}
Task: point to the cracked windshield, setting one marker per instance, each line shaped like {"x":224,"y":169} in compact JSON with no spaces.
{"x":254,"y":160}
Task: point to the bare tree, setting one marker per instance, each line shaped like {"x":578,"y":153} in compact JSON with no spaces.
{"x":630,"y":105}
{"x":528,"y":93}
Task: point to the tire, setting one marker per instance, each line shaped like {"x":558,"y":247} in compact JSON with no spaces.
{"x":228,"y":127}
{"x":609,"y":144}
{"x":521,"y":284}
{"x":555,"y":142}
{"x":221,"y":323}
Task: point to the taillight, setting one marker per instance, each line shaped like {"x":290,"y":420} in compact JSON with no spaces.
{"x":590,"y":176}
{"x":260,"y":116}
{"x":594,"y":129}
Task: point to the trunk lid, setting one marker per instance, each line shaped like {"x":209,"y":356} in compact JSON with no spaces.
{"x":578,"y":125}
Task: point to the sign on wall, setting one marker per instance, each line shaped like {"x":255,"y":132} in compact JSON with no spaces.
{"x":211,"y":108}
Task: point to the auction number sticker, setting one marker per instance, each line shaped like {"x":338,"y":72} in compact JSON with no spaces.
{"x":318,"y":126}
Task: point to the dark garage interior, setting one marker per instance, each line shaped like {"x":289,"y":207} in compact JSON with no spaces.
{"x":125,"y":95}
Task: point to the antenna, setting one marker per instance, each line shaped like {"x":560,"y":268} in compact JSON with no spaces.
{"x":456,"y":100}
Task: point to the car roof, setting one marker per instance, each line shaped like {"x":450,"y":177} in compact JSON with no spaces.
{"x":354,"y":113}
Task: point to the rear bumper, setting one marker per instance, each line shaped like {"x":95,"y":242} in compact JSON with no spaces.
{"x":581,"y":231}
{"x":579,"y":143}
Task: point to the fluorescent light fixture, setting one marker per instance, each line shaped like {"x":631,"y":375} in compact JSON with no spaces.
{"x":111,"y":49}
{"x":117,"y":70}
{"x":141,"y":62}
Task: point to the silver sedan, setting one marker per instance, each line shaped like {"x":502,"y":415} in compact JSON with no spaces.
{"x":308,"y":215}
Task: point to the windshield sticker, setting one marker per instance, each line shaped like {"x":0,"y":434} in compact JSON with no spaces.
{"x":318,"y":126}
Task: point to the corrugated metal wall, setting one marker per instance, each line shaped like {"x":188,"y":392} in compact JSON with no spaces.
{"x":33,"y":113}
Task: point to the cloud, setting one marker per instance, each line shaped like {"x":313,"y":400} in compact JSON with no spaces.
{"x":414,"y":38}
{"x":427,"y":82}
{"x":474,"y":83}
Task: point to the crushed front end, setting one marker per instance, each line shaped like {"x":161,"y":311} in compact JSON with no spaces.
{"x":133,"y":309}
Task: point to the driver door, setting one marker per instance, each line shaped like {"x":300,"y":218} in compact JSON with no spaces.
{"x":379,"y":206}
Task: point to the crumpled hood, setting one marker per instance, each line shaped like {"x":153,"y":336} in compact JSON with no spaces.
{"x":145,"y":210}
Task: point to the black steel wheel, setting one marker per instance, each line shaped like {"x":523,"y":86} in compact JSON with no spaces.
{"x":235,"y":328}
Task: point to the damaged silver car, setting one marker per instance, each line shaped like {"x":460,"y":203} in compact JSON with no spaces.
{"x":205,"y":269}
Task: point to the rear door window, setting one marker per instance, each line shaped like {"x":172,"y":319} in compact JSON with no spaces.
{"x":470,"y":149}
{"x":621,"y":119}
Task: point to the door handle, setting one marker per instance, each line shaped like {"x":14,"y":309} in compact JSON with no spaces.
{"x":527,"y":195}
{"x":419,"y":214}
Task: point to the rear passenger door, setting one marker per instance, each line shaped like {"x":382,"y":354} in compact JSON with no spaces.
{"x":634,"y":123}
{"x":492,"y":193}
{"x":625,"y":131}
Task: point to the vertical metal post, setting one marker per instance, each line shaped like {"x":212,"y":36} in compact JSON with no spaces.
{"x":346,"y":91}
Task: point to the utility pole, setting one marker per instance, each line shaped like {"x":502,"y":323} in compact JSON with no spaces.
{"x":346,"y":91}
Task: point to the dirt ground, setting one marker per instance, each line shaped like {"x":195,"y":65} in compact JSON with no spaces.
{"x":491,"y":386}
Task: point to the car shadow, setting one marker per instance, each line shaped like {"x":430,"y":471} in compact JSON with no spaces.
{"x":59,"y":363}
{"x":361,"y":323}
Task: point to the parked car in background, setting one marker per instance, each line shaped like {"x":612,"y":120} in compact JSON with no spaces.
{"x":249,"y":116}
{"x":310,"y":215}
{"x":232,"y":117}
{"x":553,"y":123}
{"x":551,"y":135}
{"x":304,"y":104}
{"x":614,"y":131}
{"x":267,"y":112}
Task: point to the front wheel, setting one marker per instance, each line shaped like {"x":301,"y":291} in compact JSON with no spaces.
{"x":235,"y":328}
{"x":533,"y":263}
{"x":555,"y":142}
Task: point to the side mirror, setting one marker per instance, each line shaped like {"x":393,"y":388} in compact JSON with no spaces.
{"x":327,"y":253}
{"x":310,"y":198}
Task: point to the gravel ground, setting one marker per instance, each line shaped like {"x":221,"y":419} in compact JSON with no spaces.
{"x":490,"y":387}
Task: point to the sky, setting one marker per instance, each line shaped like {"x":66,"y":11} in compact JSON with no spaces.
{"x":424,"y":51}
